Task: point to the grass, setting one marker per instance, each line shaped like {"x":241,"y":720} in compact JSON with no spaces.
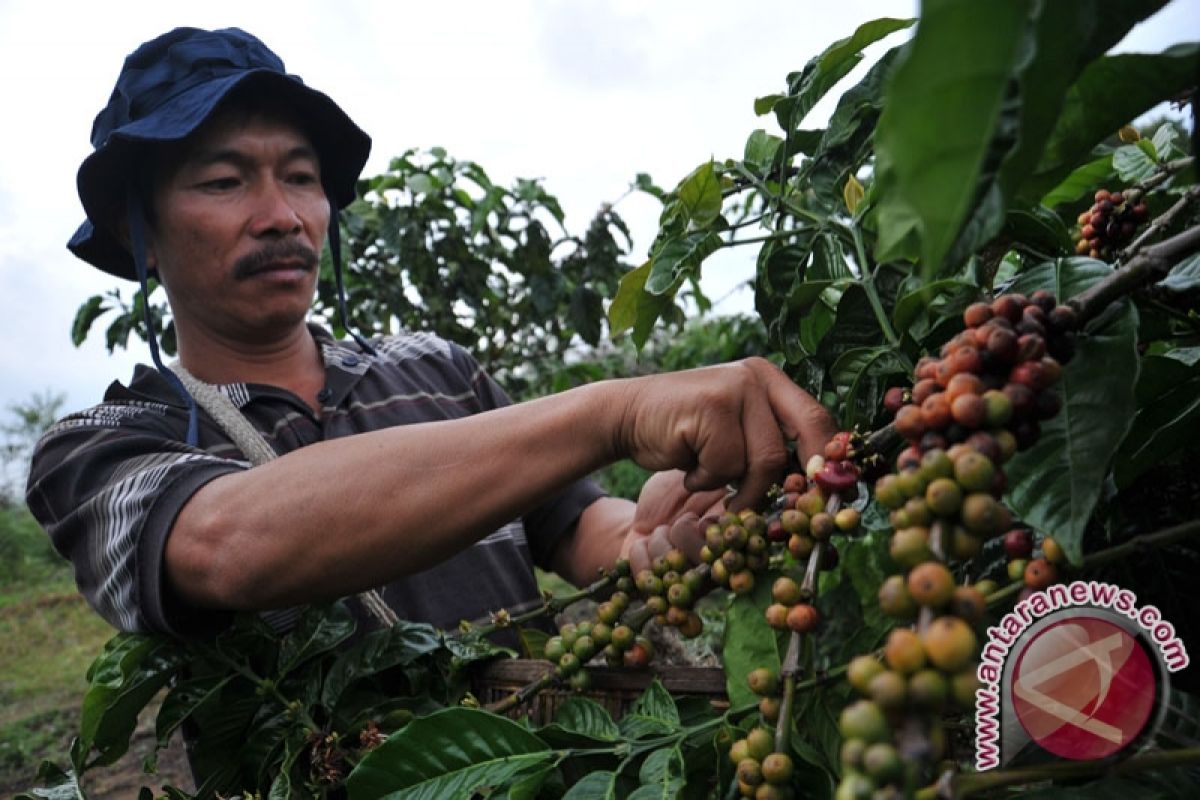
{"x":48,"y":638}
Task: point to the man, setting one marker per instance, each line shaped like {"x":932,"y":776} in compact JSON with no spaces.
{"x":400,"y":464}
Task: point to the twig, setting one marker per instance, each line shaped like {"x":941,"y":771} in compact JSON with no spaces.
{"x":791,"y":660}
{"x":1166,"y":536}
{"x":972,"y":783}
{"x":524,"y":694}
{"x":1161,"y":174}
{"x":1148,"y":266}
{"x":549,"y":607}
{"x":1161,"y":222}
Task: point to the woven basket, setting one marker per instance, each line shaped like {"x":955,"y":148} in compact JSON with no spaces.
{"x":615,"y":688}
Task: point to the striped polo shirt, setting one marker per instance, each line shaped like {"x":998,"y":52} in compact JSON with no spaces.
{"x":108,"y":482}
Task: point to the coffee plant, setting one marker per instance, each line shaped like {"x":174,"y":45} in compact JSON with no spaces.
{"x":997,"y":294}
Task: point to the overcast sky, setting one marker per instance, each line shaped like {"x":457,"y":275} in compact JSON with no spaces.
{"x":584,"y":94}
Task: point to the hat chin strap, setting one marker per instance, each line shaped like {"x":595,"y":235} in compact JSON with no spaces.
{"x":137,"y":241}
{"x":335,"y":253}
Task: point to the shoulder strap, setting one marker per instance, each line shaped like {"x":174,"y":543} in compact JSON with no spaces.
{"x":257,"y":451}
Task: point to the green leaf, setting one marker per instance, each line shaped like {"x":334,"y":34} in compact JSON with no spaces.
{"x":1133,"y":164}
{"x":652,"y":714}
{"x":761,"y":149}
{"x":600,"y":785}
{"x":184,"y":698}
{"x":587,"y":717}
{"x":1081,"y":181}
{"x":910,"y":305}
{"x":623,"y":312}
{"x":92,"y":308}
{"x":656,"y":703}
{"x":807,"y":87}
{"x":450,"y":753}
{"x":766,"y":104}
{"x":855,"y":326}
{"x":124,"y":678}
{"x":700,"y":194}
{"x":1110,"y":92}
{"x":1184,"y":276}
{"x":749,"y":642}
{"x":585,"y":314}
{"x":1037,"y":230}
{"x":635,"y":308}
{"x":858,"y":368}
{"x":661,"y":775}
{"x":1166,"y":142}
{"x":940,"y":113}
{"x":319,"y":630}
{"x":680,"y":258}
{"x":1067,"y":35}
{"x":1055,"y":484}
{"x":1167,"y":419}
{"x":379,"y":650}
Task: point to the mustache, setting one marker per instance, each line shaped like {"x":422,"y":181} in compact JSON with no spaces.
{"x":260,"y":260}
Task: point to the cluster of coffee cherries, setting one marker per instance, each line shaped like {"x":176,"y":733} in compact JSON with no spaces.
{"x":613,"y":633}
{"x":762,"y":772}
{"x":1109,"y":224}
{"x":1035,"y":572}
{"x":968,"y":412}
{"x":736,"y":550}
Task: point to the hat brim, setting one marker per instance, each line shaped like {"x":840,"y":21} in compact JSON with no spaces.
{"x":342,"y":148}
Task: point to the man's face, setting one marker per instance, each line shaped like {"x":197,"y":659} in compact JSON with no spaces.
{"x":241,"y":217}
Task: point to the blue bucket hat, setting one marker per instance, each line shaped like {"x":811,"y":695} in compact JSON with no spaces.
{"x":167,"y":89}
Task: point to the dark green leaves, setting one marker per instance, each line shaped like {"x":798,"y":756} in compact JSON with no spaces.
{"x":1167,"y":419}
{"x":123,"y":678}
{"x":942,"y":109}
{"x":92,"y":308}
{"x":1057,"y":482}
{"x":680,"y":258}
{"x":448,"y":754}
{"x":1112,"y":91}
{"x":821,"y":73}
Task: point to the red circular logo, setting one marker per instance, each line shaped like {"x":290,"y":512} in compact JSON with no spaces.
{"x":1083,"y":688}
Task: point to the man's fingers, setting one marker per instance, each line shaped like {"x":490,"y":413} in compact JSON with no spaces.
{"x":685,"y":534}
{"x":766,"y":454}
{"x":802,"y":418}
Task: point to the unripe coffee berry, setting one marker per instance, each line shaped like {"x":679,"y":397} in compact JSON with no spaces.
{"x":931,"y":584}
{"x":904,"y":652}
{"x":949,"y":643}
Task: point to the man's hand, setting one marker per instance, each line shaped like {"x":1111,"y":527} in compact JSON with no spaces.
{"x":668,"y":517}
{"x":722,"y":424}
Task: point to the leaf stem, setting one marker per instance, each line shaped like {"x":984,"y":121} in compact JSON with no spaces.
{"x":770,"y":237}
{"x":867,"y":278}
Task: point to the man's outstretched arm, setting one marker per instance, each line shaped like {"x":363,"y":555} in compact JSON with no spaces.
{"x":340,"y":516}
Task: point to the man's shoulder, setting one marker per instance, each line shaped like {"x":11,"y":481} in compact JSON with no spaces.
{"x":389,"y":349}
{"x":147,"y":398}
